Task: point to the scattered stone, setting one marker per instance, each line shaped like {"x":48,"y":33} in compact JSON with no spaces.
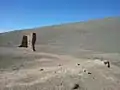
{"x":76,"y":86}
{"x":78,"y":64}
{"x":41,"y":69}
{"x":89,"y":73}
{"x":84,"y":70}
{"x":106,"y":62}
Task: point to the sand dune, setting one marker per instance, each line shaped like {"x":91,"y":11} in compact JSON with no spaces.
{"x":67,"y":57}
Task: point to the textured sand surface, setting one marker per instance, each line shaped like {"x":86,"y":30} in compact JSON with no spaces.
{"x":68,"y":57}
{"x":47,"y":71}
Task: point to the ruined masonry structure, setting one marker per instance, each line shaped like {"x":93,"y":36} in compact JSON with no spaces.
{"x":28,"y":41}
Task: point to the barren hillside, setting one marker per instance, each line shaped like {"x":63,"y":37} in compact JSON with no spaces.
{"x":99,"y":35}
{"x":68,"y":57}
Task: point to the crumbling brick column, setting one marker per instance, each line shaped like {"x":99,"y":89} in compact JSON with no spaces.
{"x":33,"y":41}
{"x":29,"y":41}
{"x":24,"y":42}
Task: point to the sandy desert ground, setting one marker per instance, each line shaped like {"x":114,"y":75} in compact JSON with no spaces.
{"x":67,"y":57}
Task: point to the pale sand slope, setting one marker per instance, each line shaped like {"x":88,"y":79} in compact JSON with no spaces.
{"x":59,"y":51}
{"x":97,"y":35}
{"x":60,"y":72}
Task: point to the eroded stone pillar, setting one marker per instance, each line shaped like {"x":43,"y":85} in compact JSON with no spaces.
{"x":33,"y":41}
{"x":24,"y":42}
{"x":29,"y":41}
